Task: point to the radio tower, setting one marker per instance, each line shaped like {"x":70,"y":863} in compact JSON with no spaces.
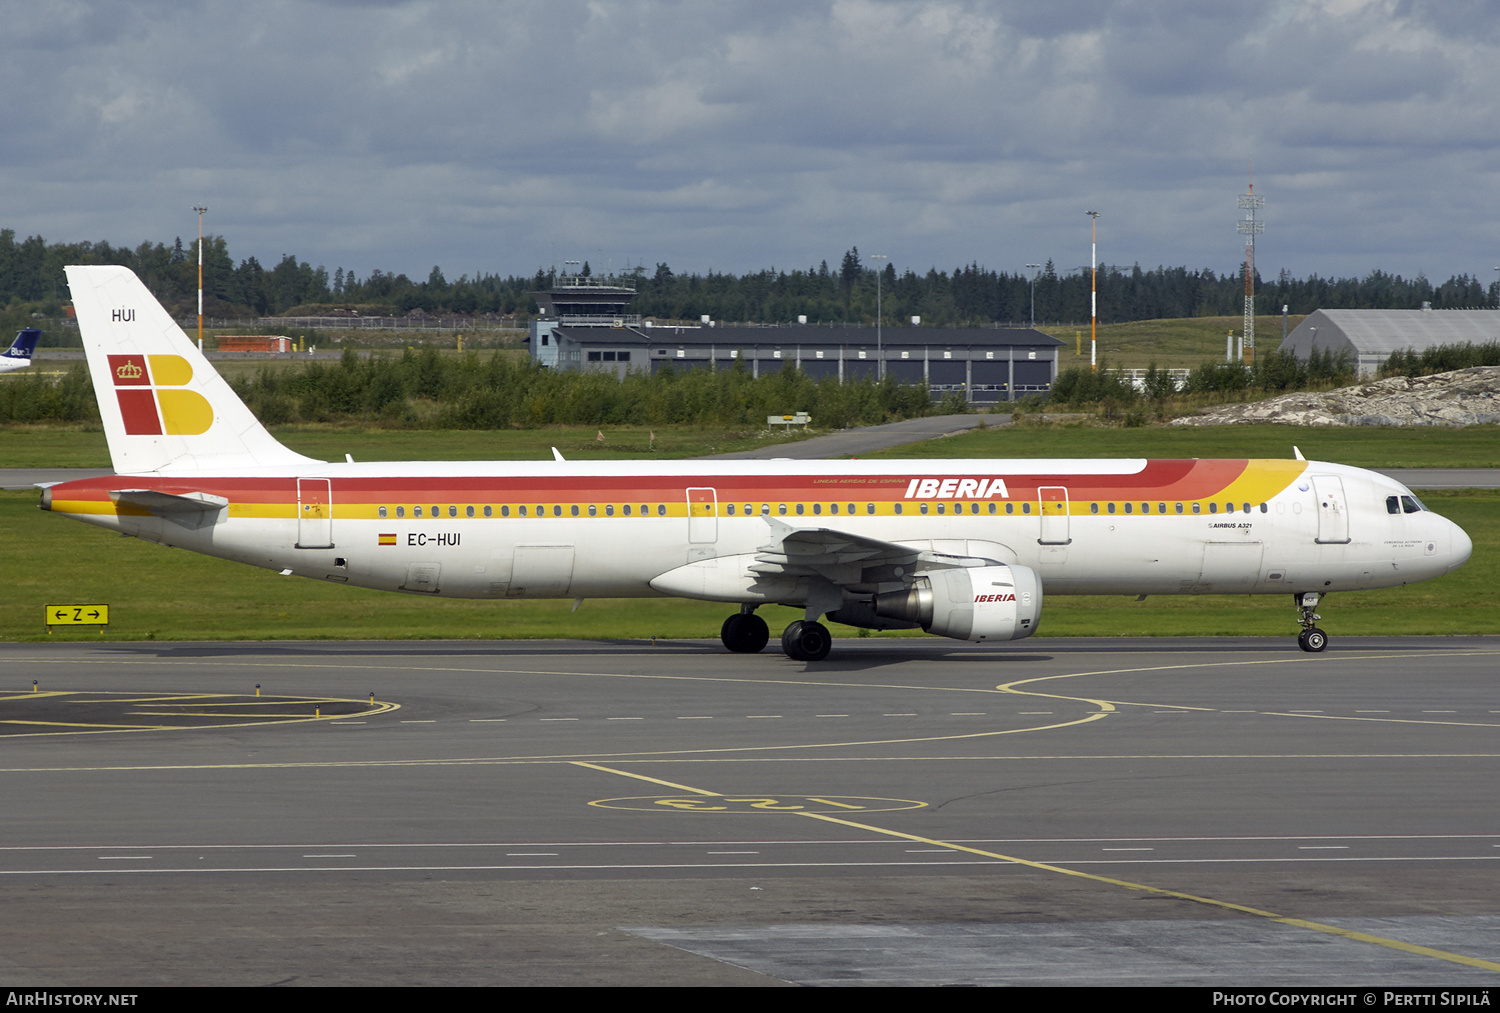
{"x":1248,"y":228}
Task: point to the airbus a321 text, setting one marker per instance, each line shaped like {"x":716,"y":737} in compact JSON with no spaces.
{"x":959,"y":548}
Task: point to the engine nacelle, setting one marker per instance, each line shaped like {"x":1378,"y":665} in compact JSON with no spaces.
{"x":975,"y":604}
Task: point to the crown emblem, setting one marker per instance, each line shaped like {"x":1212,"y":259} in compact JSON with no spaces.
{"x":128,"y":371}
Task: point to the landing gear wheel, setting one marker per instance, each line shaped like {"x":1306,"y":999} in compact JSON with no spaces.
{"x":1312,"y":640}
{"x":744,"y":633}
{"x":804,"y":641}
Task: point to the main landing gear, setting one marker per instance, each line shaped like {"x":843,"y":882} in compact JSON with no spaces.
{"x":745,"y":633}
{"x":806,"y":641}
{"x":1311,"y":639}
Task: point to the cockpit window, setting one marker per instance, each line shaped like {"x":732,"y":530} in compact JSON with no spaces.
{"x":1410,"y":504}
{"x":1393,"y":504}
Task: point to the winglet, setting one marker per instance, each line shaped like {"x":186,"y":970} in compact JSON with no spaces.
{"x":1297,"y":454}
{"x":557,"y":455}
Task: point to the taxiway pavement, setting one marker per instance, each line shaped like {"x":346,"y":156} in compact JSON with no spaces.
{"x":1198,"y":811}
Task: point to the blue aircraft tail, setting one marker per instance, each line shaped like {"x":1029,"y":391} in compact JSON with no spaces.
{"x":24,"y":344}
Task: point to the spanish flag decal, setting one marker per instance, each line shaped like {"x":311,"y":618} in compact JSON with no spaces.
{"x":153,"y":401}
{"x":387,"y":539}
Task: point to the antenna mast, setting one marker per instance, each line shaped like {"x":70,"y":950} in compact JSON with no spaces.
{"x":1249,"y":227}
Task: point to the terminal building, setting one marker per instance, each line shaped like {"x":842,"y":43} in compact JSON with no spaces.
{"x":587,"y":325}
{"x":1370,"y":337}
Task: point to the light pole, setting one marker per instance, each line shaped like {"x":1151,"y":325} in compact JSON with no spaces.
{"x":1033,"y":268}
{"x":879,"y":346}
{"x":201,"y":212}
{"x":1093,"y":288}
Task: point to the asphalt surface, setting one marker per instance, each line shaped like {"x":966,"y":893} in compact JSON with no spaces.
{"x":1199,"y":811}
{"x":867,"y":439}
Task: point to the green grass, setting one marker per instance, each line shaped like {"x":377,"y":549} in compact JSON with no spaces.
{"x":170,"y":594}
{"x":1184,"y":343}
{"x":77,"y":447}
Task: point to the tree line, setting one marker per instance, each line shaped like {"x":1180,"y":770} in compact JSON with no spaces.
{"x":422,"y":389}
{"x":31,"y":272}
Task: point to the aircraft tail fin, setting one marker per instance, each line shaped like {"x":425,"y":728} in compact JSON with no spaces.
{"x":164,"y":407}
{"x":24,"y":345}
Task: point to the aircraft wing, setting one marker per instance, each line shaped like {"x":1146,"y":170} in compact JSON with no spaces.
{"x":847,"y":560}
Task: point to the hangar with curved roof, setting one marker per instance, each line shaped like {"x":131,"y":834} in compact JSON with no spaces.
{"x":1370,"y":337}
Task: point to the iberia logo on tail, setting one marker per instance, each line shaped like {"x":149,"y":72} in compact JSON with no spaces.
{"x":152,"y":398}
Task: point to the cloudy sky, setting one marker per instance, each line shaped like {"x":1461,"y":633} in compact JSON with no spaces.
{"x":498,"y":136}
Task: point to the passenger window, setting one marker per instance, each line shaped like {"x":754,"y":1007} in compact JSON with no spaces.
{"x":731,"y":509}
{"x":1093,"y":508}
{"x":1213,"y":508}
{"x":942,"y":508}
{"x":799,"y":509}
{"x":833,"y":508}
{"x":924,"y":508}
{"x":505,"y":511}
{"x":781,"y":509}
{"x":1010,"y":508}
{"x":1110,"y":508}
{"x":401,"y":511}
{"x":1179,"y":508}
{"x":609,"y":509}
{"x":1197,"y":508}
{"x":468,"y":511}
{"x":626,"y":508}
{"x":897,"y":507}
{"x":521,"y":511}
{"x":1145,"y":508}
{"x":765,"y":509}
{"x":437,"y":511}
{"x":1129,"y":508}
{"x":416,"y":511}
{"x":992,"y":506}
{"x":453,"y":511}
{"x":817,"y":508}
{"x":382,"y":511}
{"x":1161,"y":508}
{"x":645,"y":509}
{"x":869,"y":508}
{"x":661,"y":510}
{"x":557,"y":511}
{"x":1229,"y":508}
{"x":1264,"y":508}
{"x":593,"y":510}
{"x":1026,"y":508}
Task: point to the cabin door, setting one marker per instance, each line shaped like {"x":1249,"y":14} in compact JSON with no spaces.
{"x":314,"y":514}
{"x":1052,"y":502}
{"x":1333,"y":510}
{"x":703,"y":523}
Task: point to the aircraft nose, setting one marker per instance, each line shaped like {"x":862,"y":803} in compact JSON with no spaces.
{"x":1461,"y":545}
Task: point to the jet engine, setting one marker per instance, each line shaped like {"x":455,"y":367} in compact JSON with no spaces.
{"x":974,"y":603}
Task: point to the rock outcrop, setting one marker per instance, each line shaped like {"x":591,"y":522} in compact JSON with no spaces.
{"x":1464,"y":397}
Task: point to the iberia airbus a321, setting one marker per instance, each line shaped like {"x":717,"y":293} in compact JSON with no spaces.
{"x":958,"y":548}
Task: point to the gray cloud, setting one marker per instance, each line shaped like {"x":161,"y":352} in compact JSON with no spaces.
{"x":498,"y":136}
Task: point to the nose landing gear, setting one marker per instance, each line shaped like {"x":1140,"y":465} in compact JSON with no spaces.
{"x":1311,"y":639}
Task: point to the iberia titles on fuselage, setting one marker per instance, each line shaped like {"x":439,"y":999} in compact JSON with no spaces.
{"x":959,"y":548}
